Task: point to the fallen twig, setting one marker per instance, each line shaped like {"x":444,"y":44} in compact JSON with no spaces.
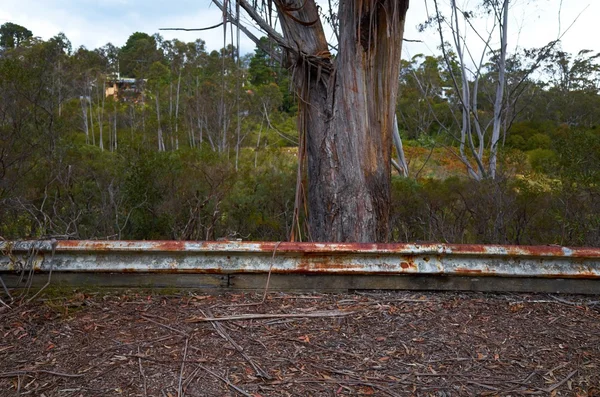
{"x":332,"y":313}
{"x":180,"y":388}
{"x":562,"y":365}
{"x":482,"y":385}
{"x":165,"y":326}
{"x":227,"y":382}
{"x":142,"y":375}
{"x":559,"y":384}
{"x":190,"y":378}
{"x":221,"y":331}
{"x":352,"y":382}
{"x":11,"y":374}
{"x":571,"y":303}
{"x":154,"y":360}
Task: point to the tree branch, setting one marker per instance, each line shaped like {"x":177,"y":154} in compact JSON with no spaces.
{"x":261,"y":23}
{"x":194,"y":29}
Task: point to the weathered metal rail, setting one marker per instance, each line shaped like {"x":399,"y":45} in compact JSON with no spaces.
{"x":304,"y":266}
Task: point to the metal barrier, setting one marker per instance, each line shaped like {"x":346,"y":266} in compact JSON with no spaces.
{"x":307,"y":265}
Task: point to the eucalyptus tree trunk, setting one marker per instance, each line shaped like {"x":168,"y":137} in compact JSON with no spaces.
{"x":499,"y":102}
{"x":177,"y":111}
{"x":347,"y":113}
{"x":83,"y":101}
{"x":115,"y":137}
{"x":347,"y":108}
{"x":159,"y":137}
{"x":91,"y":118}
{"x":100,"y":113}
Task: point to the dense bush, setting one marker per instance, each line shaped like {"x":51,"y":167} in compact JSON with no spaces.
{"x":501,"y":212}
{"x":190,"y":194}
{"x":198,"y":195}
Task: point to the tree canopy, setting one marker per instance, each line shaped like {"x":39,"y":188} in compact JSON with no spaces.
{"x":12,"y":35}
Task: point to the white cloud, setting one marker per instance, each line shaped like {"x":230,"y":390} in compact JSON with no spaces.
{"x":94,"y":23}
{"x":532,"y":24}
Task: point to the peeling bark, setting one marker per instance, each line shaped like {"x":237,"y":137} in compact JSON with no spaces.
{"x":347,"y":108}
{"x":347,"y":112}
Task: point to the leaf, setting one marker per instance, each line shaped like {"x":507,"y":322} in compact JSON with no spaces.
{"x":366,"y":390}
{"x":304,"y":339}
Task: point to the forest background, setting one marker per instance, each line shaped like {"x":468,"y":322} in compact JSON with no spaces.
{"x":205,"y":145}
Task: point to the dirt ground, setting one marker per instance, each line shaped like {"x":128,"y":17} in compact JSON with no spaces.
{"x":129,"y":343}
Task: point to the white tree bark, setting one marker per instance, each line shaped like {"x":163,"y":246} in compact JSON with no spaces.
{"x":83,"y":99}
{"x":499,"y":103}
{"x":401,"y":165}
{"x":161,"y":141}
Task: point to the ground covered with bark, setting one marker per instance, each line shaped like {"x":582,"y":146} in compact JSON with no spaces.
{"x":381,"y":343}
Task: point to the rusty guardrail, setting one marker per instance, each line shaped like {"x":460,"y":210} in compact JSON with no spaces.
{"x":234,"y":258}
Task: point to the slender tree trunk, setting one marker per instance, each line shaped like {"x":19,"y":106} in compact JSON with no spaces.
{"x":177,"y":111}
{"x":258,"y":145}
{"x":115,"y":142}
{"x":101,"y":115}
{"x":499,"y":103}
{"x":170,"y":119}
{"x":403,"y":165}
{"x":84,"y":113}
{"x":110,"y":133}
{"x":143,"y":117}
{"x":59,"y":89}
{"x":191,"y":137}
{"x":201,"y":133}
{"x":161,"y":142}
{"x":92,"y":119}
{"x":133,"y":122}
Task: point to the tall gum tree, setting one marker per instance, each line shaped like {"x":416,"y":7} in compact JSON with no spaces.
{"x":347,"y":106}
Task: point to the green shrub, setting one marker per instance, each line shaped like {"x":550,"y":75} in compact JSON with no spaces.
{"x":543,"y":160}
{"x":539,"y":141}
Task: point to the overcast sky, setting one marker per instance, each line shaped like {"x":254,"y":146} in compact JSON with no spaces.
{"x":93,"y":23}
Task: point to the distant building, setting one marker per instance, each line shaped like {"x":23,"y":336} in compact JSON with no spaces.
{"x":124,"y":88}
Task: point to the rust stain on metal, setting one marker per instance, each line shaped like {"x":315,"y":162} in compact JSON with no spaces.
{"x":312,"y":249}
{"x":228,"y":257}
{"x":170,"y":245}
{"x":461,"y":270}
{"x":327,"y":264}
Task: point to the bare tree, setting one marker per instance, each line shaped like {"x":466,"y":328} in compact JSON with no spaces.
{"x":467,"y":70}
{"x":466,"y":80}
